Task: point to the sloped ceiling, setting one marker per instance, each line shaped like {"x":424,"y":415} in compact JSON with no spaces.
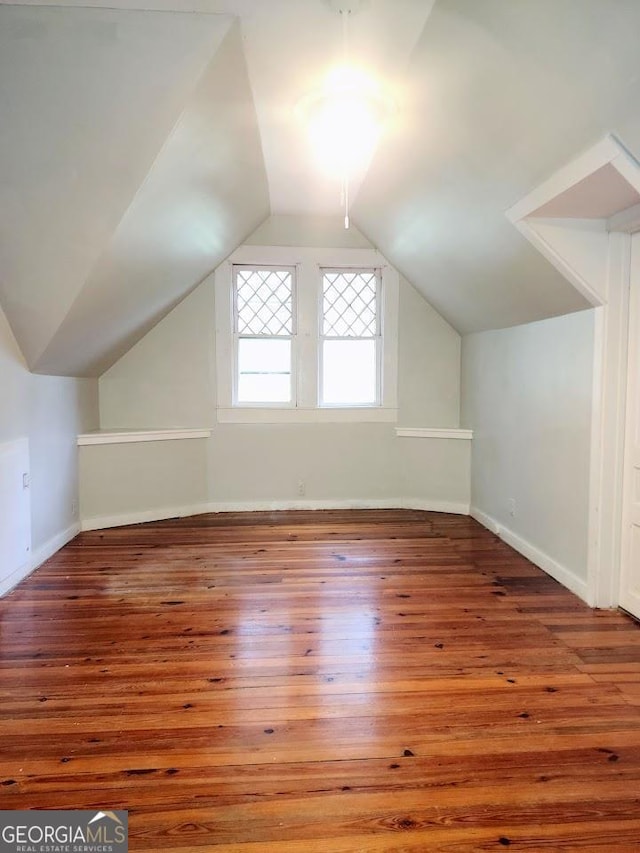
{"x":204,"y":193}
{"x":138,"y":148}
{"x":290,"y":46}
{"x":130,"y":165}
{"x":501,"y":94}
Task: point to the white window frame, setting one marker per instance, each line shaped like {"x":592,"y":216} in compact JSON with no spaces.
{"x":379,"y":336}
{"x":308,"y":263}
{"x":237,"y":336}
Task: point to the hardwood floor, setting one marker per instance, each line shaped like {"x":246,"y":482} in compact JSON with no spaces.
{"x":326,"y":682}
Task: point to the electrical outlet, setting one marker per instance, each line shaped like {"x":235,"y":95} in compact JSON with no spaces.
{"x":512,"y":507}
{"x":302,"y":489}
{"x":74,"y":508}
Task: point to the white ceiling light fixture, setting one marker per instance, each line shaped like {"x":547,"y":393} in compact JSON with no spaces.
{"x":346,"y":115}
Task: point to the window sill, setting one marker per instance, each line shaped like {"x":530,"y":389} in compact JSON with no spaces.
{"x":424,"y":432}
{"x":259,"y":415}
{"x":115,"y":436}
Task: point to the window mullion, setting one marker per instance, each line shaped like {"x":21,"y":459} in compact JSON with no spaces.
{"x":306,"y":345}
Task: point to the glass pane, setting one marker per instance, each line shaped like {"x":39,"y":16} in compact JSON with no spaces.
{"x":349,"y":304}
{"x":264,"y":388}
{"x":264,"y":371}
{"x":349,"y":373}
{"x":264,"y":303}
{"x":266,"y":355}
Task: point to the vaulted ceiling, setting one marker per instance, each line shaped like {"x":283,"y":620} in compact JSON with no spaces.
{"x":141,"y":143}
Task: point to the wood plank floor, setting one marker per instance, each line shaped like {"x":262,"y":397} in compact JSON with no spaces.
{"x":320,"y":682}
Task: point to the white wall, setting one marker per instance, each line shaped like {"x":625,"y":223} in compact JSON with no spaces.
{"x":292,"y":230}
{"x":49,"y":411}
{"x":168,"y":380}
{"x":124,"y":482}
{"x":428,"y":364}
{"x":527,"y":395}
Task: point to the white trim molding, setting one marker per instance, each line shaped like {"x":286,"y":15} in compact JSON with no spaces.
{"x":539,"y":558}
{"x":608,"y":150}
{"x":266,"y":415}
{"x":102,"y":522}
{"x":610,"y":360}
{"x":530,"y":228}
{"x":595,"y":257}
{"x":16,"y":559}
{"x":627,"y":221}
{"x":428,"y":432}
{"x":589,"y":279}
{"x":128,"y":436}
{"x":306,"y":369}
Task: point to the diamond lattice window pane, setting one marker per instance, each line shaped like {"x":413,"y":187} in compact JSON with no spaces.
{"x":349,"y":307}
{"x":264,"y":302}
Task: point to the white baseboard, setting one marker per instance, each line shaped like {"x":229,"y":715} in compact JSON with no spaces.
{"x":38,"y":557}
{"x":485,"y":520}
{"x":8,"y":583}
{"x":435,"y":506}
{"x":539,"y":558}
{"x":102,"y":522}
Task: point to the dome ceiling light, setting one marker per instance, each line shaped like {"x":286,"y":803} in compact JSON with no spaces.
{"x":346,"y":115}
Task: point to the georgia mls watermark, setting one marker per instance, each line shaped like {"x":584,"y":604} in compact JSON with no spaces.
{"x":64,"y":831}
